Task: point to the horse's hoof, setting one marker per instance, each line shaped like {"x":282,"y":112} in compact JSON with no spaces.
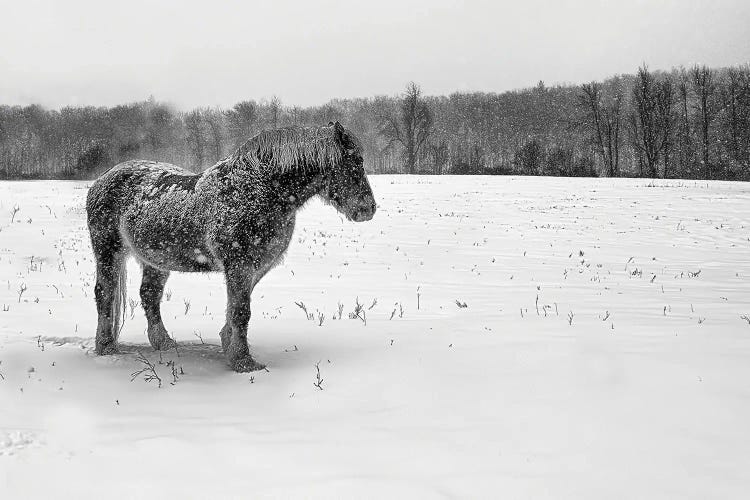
{"x":246,"y":364}
{"x":106,"y":350}
{"x":165,"y":345}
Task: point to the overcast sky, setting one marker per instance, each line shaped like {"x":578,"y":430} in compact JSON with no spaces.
{"x":217,"y":52}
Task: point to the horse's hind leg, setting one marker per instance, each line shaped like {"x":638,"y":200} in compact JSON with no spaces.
{"x":152,"y":288}
{"x":110,"y":261}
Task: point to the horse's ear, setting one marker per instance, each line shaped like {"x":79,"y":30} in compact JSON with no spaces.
{"x":338,"y":130}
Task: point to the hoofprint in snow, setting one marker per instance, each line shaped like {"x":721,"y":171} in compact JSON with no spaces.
{"x":515,"y":337}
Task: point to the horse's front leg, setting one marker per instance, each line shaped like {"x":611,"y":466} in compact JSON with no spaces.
{"x":234,"y":334}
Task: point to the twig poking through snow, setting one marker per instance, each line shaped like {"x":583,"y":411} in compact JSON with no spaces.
{"x":359,"y":312}
{"x":318,"y":379}
{"x":628,"y":262}
{"x":148,"y":371}
{"x":133,"y":304}
{"x":175,"y":376}
{"x":302,"y":306}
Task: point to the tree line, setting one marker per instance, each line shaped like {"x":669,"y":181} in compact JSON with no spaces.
{"x":686,"y":123}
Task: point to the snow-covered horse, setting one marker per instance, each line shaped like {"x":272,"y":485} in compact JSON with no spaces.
{"x":236,"y":217}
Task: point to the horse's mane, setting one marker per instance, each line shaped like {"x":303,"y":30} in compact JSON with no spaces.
{"x":292,"y":148}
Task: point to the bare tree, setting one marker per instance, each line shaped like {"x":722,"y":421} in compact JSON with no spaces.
{"x":295,"y":113}
{"x":652,"y":119}
{"x":274,"y":107}
{"x":410,"y":126}
{"x":704,"y":87}
{"x":685,"y":133}
{"x":440,"y":155}
{"x":644,"y":122}
{"x":159,"y":129}
{"x":604,"y":119}
{"x":735,"y":126}
{"x":241,"y":122}
{"x":214,"y":121}
{"x":665,"y":114}
{"x":194,"y":137}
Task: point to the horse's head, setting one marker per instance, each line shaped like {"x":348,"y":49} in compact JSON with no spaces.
{"x":346,"y":186}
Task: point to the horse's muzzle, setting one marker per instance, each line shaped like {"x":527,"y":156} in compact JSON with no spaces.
{"x":364,"y":212}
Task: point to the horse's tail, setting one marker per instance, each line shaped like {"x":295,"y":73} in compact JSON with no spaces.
{"x":121,"y":293}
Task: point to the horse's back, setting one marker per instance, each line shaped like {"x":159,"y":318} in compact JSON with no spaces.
{"x":158,"y":211}
{"x":126,"y":179}
{"x":122,"y":184}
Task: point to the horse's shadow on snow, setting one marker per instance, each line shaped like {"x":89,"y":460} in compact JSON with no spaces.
{"x":203,"y":358}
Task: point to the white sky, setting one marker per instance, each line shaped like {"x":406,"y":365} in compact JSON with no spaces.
{"x":218,"y":52}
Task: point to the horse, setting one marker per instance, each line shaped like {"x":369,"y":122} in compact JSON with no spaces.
{"x":236,"y":218}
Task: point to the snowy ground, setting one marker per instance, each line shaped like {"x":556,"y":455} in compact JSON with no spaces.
{"x":601,"y":352}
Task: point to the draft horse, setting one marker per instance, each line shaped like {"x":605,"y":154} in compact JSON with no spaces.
{"x":237,"y":218}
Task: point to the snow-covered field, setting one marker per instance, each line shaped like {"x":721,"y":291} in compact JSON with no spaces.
{"x":524,"y":338}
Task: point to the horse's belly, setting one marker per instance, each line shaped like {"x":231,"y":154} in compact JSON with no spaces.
{"x":169,"y":249}
{"x":177,"y":260}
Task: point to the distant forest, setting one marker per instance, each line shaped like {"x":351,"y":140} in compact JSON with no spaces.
{"x":686,"y":123}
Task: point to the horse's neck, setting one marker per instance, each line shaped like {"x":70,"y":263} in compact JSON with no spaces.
{"x":296,"y":188}
{"x":286,"y":191}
